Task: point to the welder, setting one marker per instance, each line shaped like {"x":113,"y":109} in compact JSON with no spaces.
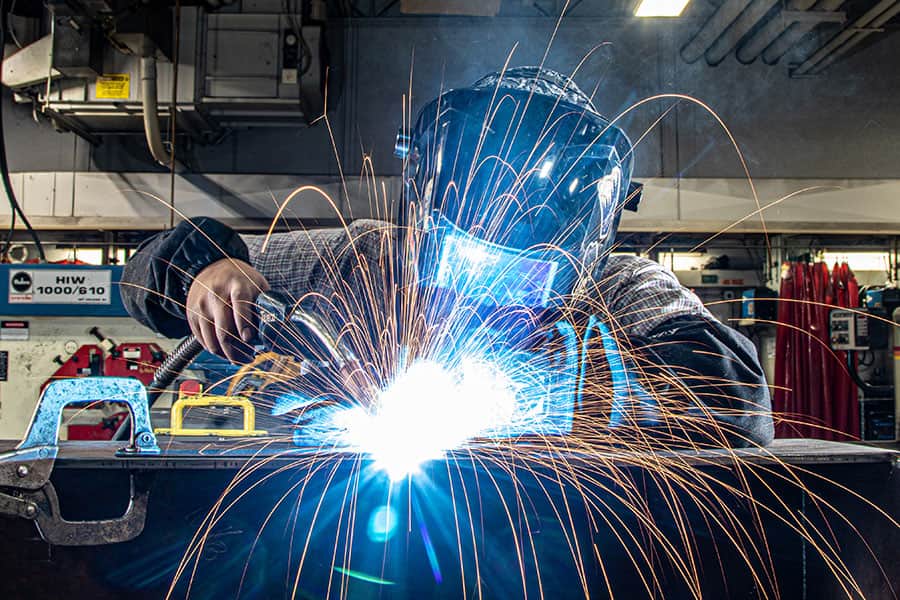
{"x":520,"y":166}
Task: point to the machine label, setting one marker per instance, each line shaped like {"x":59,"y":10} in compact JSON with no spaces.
{"x":59,"y":286}
{"x":114,"y":87}
{"x":4,"y":365}
{"x":14,"y":331}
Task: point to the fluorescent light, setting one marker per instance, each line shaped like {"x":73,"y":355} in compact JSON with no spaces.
{"x":660,"y":8}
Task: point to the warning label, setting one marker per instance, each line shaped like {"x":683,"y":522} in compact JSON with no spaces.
{"x":13,"y":331}
{"x":114,"y":87}
{"x":59,"y":286}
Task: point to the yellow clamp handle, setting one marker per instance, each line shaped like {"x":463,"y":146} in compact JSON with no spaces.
{"x":177,"y":417}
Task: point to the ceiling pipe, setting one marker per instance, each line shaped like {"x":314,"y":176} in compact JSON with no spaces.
{"x":724,"y":16}
{"x":796,"y":32}
{"x":886,"y":16}
{"x":757,"y":10}
{"x":769,"y":32}
{"x":865,"y":21}
{"x":150,"y":106}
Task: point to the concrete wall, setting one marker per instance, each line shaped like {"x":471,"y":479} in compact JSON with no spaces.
{"x":90,"y":201}
{"x":843,"y":124}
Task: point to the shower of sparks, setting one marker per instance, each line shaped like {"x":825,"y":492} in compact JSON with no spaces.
{"x":442,"y":446}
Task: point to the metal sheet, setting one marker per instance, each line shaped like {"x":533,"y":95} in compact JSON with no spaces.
{"x":216,"y":455}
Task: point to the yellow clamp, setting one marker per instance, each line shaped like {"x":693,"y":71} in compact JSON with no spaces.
{"x":177,"y":417}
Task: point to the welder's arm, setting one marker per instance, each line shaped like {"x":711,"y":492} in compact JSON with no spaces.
{"x":691,"y":359}
{"x":196,"y":277}
{"x":348,"y":261}
{"x":157,"y":278}
{"x":715,"y":375}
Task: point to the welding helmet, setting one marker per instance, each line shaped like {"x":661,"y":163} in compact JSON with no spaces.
{"x":518,"y":185}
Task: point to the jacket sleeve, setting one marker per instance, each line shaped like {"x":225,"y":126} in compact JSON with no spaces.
{"x":156,"y":279}
{"x":713,"y":373}
{"x":704,"y":377}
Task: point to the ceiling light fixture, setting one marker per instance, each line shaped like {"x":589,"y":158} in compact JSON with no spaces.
{"x":660,"y":8}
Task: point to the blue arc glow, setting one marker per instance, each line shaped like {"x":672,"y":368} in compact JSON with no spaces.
{"x":489,"y":274}
{"x":434,"y":407}
{"x":429,"y":410}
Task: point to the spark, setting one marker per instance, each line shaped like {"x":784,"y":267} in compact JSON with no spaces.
{"x":442,"y":387}
{"x":428,"y":410}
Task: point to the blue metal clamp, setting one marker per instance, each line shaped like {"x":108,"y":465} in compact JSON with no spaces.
{"x":25,"y":487}
{"x":44,"y":430}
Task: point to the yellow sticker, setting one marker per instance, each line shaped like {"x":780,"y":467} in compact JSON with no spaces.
{"x":114,"y":87}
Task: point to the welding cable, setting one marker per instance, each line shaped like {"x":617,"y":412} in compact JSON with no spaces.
{"x":172,"y":367}
{"x":167,"y":372}
{"x":869,"y":388}
{"x":4,"y":165}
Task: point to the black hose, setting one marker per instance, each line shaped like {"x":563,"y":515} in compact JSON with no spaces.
{"x":4,"y":166}
{"x":878,"y":391}
{"x":167,"y":372}
{"x":172,"y":367}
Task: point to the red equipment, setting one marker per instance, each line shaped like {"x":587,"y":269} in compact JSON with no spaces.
{"x":814,"y":395}
{"x":136,"y":360}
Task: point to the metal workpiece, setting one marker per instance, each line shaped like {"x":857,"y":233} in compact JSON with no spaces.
{"x":193,"y":482}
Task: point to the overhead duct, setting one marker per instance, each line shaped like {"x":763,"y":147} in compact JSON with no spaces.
{"x":757,"y":10}
{"x":792,"y":34}
{"x":769,"y":32}
{"x":724,"y":16}
{"x":754,"y":28}
{"x":852,"y":35}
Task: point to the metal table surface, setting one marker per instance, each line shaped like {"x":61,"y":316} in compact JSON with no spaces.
{"x":232,"y":454}
{"x":491,"y":531}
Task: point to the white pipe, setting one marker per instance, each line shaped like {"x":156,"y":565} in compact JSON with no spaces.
{"x":150,"y":106}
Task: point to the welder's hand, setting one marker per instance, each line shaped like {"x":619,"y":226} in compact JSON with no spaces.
{"x":220,"y":307}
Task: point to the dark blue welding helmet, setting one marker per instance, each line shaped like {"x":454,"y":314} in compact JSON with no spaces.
{"x":518,"y":184}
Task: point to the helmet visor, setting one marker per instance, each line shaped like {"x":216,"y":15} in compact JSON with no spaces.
{"x":526,"y":177}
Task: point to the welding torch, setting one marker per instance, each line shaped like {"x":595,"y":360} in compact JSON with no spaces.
{"x":291,"y":328}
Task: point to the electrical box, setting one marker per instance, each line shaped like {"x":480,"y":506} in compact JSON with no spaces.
{"x":848,"y":330}
{"x":67,"y":321}
{"x":758,"y":304}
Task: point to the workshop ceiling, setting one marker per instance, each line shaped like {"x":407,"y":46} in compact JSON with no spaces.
{"x":767,"y":30}
{"x":819,"y":32}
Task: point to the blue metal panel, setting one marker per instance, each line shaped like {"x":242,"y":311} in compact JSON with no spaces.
{"x":112,"y":308}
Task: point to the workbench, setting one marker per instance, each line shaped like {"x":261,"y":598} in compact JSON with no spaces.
{"x":186,"y":479}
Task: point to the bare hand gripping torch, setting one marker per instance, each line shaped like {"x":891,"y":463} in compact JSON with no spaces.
{"x":284,"y":326}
